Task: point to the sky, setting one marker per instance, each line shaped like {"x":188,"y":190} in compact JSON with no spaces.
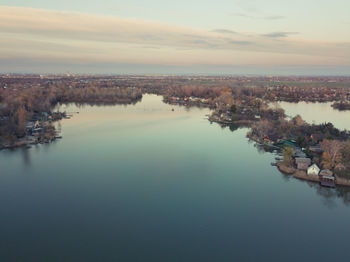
{"x":175,"y":37}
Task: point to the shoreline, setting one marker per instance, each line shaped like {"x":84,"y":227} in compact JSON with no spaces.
{"x":302,"y":175}
{"x":48,"y":134}
{"x":38,"y":131}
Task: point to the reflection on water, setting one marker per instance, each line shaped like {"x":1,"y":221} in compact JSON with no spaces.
{"x":156,"y":110}
{"x":26,"y":156}
{"x":145,"y":183}
{"x":328,"y":195}
{"x":318,"y":113}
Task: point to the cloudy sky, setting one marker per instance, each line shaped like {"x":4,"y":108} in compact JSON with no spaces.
{"x":183,"y":36}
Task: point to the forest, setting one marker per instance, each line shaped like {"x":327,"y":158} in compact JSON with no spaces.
{"x":20,"y":107}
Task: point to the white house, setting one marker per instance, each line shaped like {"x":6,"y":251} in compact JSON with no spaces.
{"x":313,"y":170}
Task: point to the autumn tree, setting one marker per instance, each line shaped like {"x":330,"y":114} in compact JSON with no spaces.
{"x":233,"y":109}
{"x":263,"y":127}
{"x":298,"y":120}
{"x":346,"y":152}
{"x":288,"y":154}
{"x":327,"y":161}
{"x":21,"y":119}
{"x":332,"y":152}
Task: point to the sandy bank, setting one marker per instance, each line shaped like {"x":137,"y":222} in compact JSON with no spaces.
{"x":285,"y":169}
{"x":300,"y":174}
{"x":342,"y":181}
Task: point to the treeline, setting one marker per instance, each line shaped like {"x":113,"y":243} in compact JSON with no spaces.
{"x":20,"y":105}
{"x":296,"y":129}
{"x":341,"y":106}
{"x":208,"y":92}
{"x":98,"y":95}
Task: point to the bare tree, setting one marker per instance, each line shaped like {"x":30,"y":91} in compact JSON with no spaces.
{"x":332,"y":152}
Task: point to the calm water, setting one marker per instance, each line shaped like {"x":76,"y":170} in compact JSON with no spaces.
{"x":143,"y":183}
{"x":318,"y":113}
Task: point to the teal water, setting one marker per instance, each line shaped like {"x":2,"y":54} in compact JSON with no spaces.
{"x":143,"y":183}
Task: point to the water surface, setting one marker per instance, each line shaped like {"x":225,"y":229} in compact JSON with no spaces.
{"x":318,"y":113}
{"x":144,"y":183}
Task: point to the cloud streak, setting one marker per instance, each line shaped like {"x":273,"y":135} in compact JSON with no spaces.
{"x":270,"y":17}
{"x":224,"y":31}
{"x":274,"y":17}
{"x":279,"y":34}
{"x":39,"y":34}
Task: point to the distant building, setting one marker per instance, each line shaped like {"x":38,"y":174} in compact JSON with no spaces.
{"x":298,"y":153}
{"x":313,"y":170}
{"x":289,"y":143}
{"x":316,"y":149}
{"x":303,"y":163}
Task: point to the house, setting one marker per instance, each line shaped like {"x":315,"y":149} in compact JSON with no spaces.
{"x":326,"y":178}
{"x":225,"y":117}
{"x":44,"y":115}
{"x":316,"y":149}
{"x":302,"y":163}
{"x":29,"y":126}
{"x":326,"y":173}
{"x":313,"y":170}
{"x":289,"y":143}
{"x":299,"y":153}
{"x":267,"y":140}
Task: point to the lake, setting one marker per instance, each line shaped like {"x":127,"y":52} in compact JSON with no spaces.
{"x":145,"y":183}
{"x":318,"y":113}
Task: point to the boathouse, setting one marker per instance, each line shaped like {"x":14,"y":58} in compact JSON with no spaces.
{"x":326,"y":178}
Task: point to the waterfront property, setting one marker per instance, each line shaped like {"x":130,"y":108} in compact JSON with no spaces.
{"x":326,"y":178}
{"x":313,"y":170}
{"x":302,"y":163}
{"x":298,"y":153}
